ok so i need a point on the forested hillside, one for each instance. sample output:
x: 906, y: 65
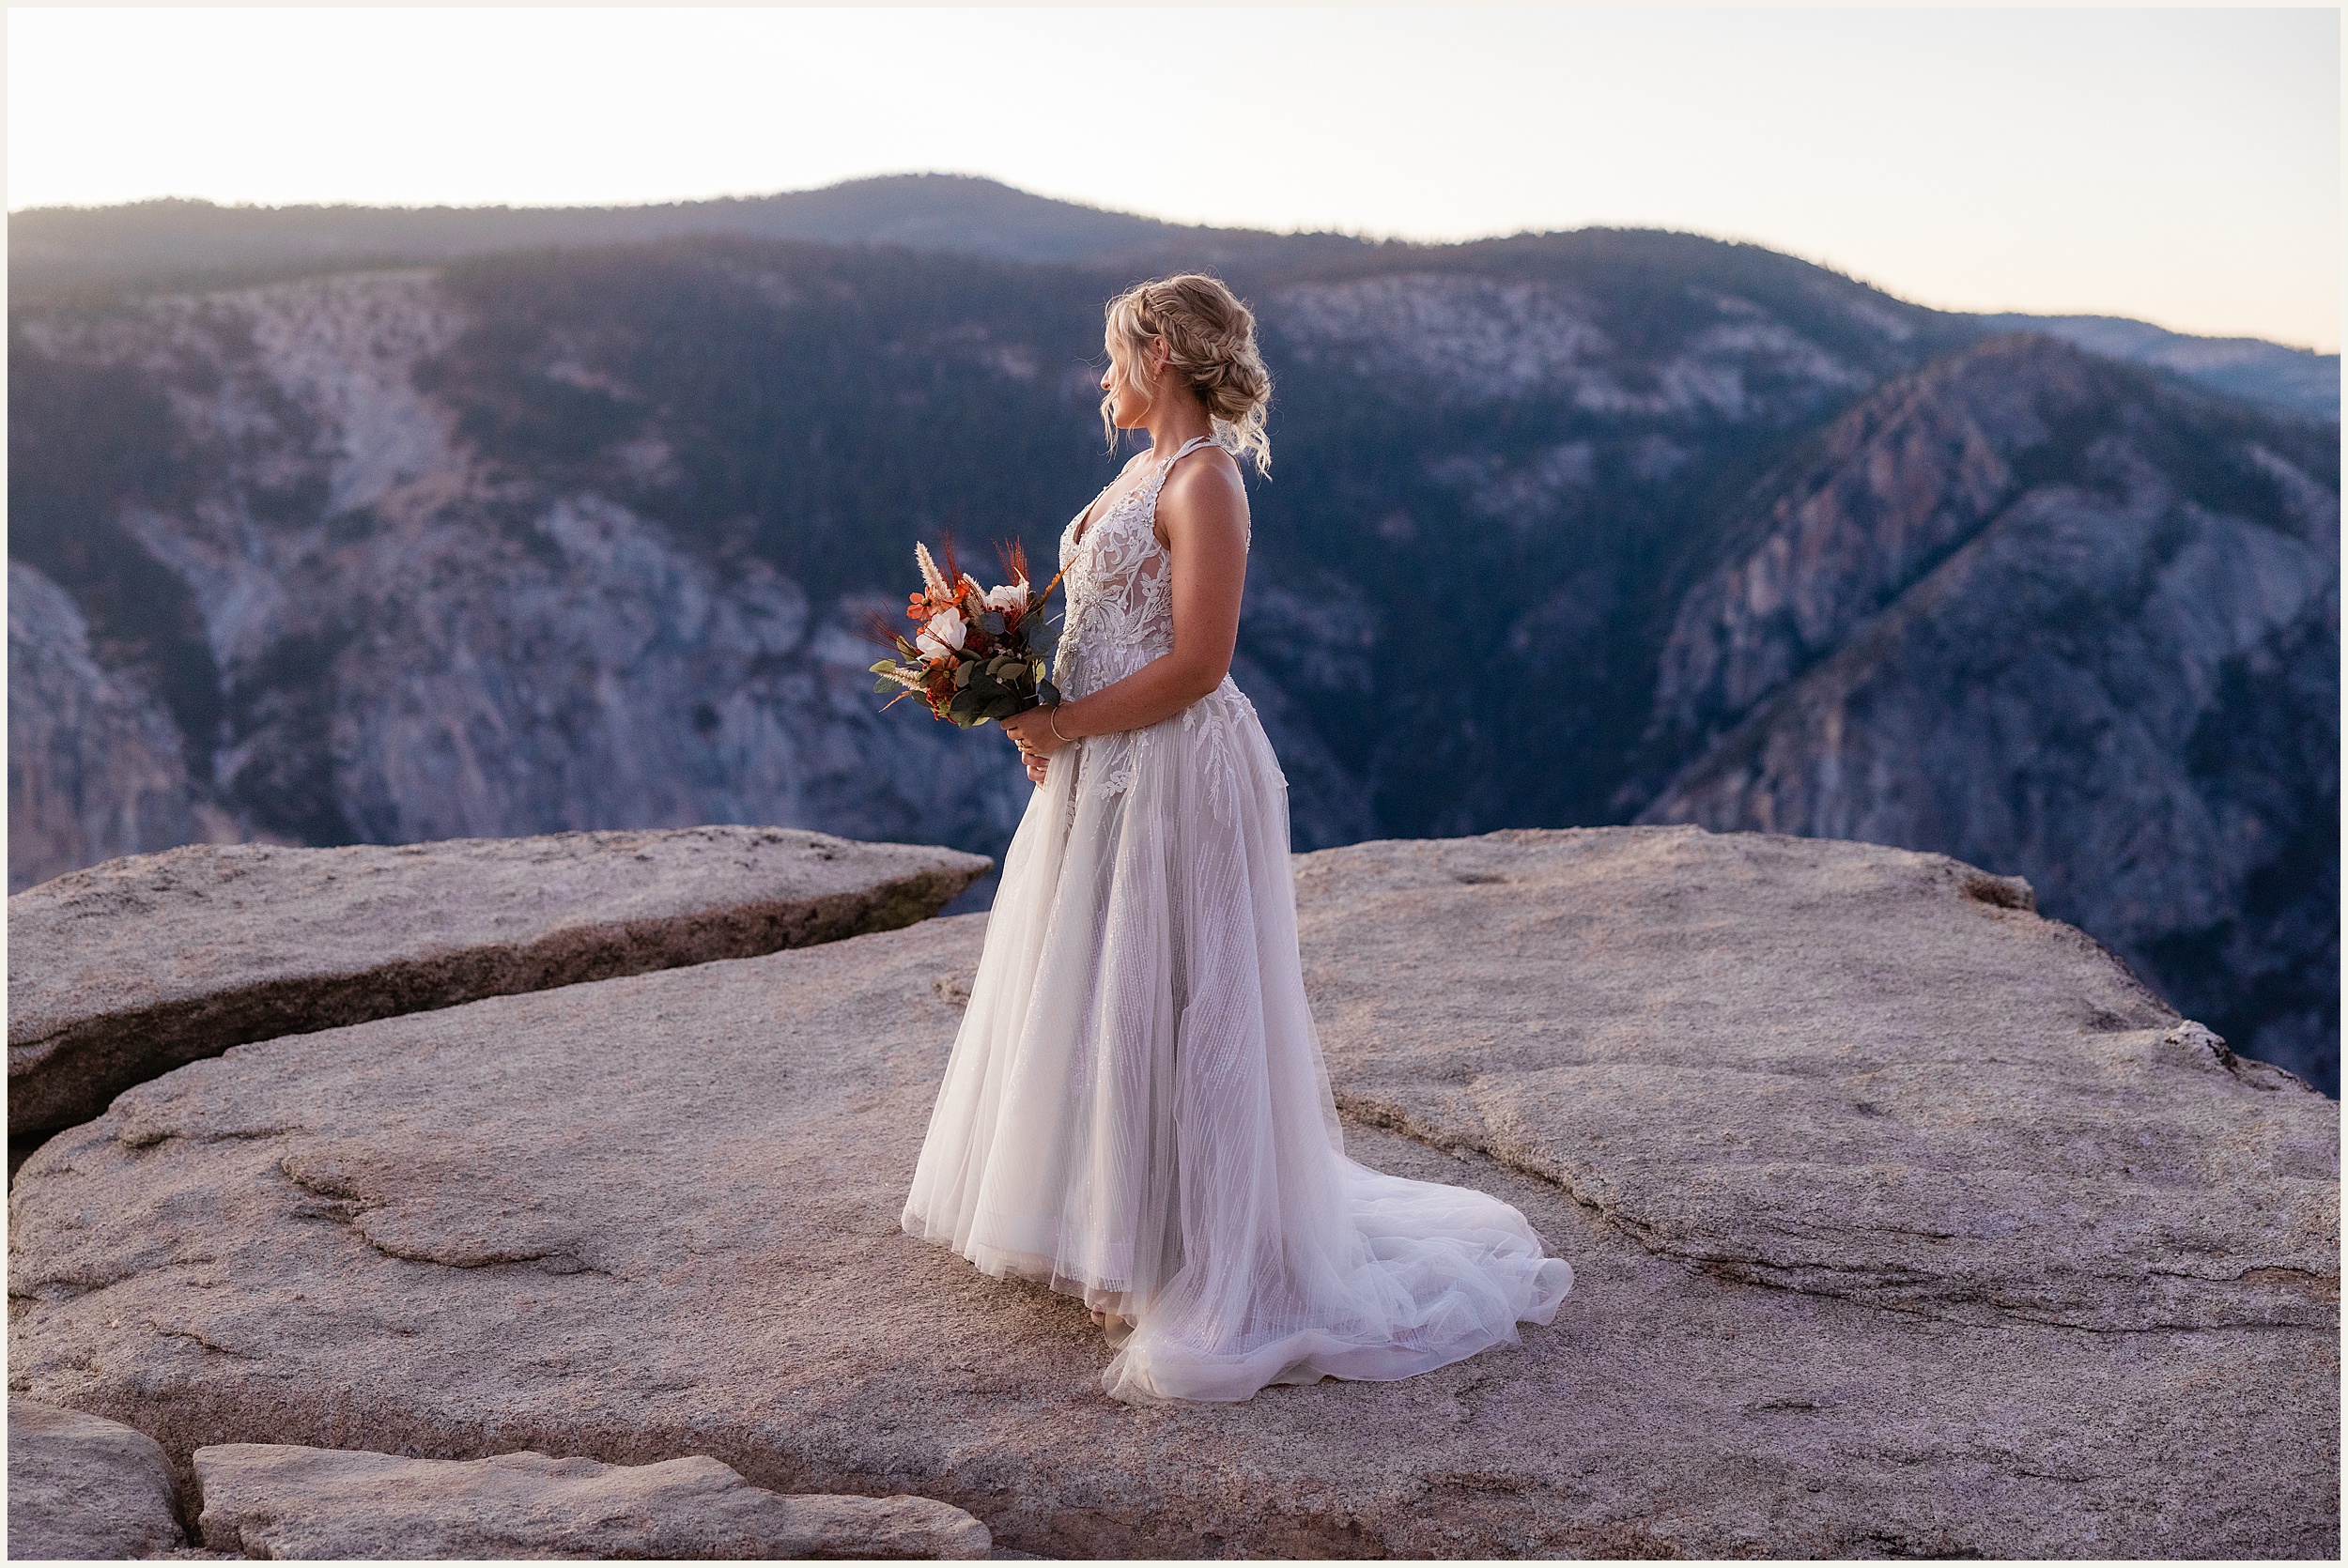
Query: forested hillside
x: 64, y: 254
x: 578, y: 538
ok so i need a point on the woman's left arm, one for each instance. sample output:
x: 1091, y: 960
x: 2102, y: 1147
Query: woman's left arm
x: 1203, y: 510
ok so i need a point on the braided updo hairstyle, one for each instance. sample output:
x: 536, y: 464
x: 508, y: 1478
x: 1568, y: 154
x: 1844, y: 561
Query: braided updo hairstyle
x: 1210, y: 337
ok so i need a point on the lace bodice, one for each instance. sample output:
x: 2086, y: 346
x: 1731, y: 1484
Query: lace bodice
x: 1121, y: 584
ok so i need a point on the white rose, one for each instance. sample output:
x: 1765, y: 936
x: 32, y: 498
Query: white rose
x: 943, y: 635
x: 1011, y: 596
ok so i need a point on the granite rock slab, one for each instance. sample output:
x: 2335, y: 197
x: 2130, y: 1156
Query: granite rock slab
x: 660, y: 1219
x: 128, y: 968
x: 1827, y: 1066
x: 278, y: 1501
x: 82, y: 1488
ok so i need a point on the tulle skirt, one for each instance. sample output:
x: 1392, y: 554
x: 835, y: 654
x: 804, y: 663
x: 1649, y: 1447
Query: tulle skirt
x: 1136, y: 1112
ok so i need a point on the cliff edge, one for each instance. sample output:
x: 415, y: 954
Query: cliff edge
x: 1905, y: 1222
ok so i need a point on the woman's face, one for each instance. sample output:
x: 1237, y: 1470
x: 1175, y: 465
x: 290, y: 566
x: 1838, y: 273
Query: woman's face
x: 1131, y: 404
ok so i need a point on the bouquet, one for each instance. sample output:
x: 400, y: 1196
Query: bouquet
x: 975, y: 657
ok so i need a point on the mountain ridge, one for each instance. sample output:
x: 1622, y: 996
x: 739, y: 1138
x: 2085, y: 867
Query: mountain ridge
x: 68, y: 255
x: 170, y: 241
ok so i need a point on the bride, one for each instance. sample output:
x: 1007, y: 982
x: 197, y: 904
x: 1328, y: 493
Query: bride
x: 1136, y: 1110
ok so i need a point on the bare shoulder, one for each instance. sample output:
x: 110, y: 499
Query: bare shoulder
x: 1205, y: 487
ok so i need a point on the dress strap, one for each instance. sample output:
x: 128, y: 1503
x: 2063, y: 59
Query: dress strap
x: 1188, y: 447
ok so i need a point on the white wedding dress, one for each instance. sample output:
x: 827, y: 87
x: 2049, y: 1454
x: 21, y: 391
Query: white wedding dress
x: 1136, y: 1110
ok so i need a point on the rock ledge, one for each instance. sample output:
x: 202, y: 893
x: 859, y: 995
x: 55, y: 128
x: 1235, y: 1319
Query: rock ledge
x: 277, y: 1500
x: 82, y: 1488
x: 129, y: 968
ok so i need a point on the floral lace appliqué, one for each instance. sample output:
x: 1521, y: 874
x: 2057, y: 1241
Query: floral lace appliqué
x: 1120, y: 616
x: 1121, y: 581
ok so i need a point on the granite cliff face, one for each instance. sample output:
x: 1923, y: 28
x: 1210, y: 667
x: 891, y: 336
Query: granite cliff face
x: 538, y: 542
x: 2025, y: 610
x: 96, y: 767
x: 541, y: 544
x: 412, y: 644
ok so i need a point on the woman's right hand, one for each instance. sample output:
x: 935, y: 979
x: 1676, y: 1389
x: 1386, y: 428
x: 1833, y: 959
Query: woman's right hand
x: 1030, y: 731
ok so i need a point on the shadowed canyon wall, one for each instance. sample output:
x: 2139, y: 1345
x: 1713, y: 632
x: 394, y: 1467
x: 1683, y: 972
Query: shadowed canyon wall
x: 1585, y: 528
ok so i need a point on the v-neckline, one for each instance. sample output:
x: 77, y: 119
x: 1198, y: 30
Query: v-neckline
x: 1084, y: 528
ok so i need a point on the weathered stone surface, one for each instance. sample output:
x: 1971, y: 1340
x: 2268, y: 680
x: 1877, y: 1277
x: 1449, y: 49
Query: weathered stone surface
x: 1903, y: 1222
x: 82, y: 1488
x: 128, y: 969
x: 1831, y: 1068
x: 277, y: 1500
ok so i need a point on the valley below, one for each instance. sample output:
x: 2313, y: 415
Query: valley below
x: 1600, y: 528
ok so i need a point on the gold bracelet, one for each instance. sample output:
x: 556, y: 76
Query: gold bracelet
x: 1051, y: 717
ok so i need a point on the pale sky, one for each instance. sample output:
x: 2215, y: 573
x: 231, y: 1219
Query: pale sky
x: 2177, y: 165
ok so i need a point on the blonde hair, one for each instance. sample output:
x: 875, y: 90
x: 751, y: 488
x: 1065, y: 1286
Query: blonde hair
x: 1210, y: 339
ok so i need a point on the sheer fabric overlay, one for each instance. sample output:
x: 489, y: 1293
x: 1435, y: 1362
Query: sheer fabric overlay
x: 1136, y: 1110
